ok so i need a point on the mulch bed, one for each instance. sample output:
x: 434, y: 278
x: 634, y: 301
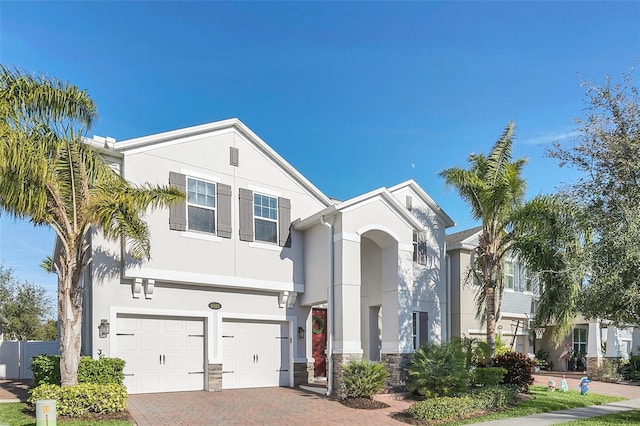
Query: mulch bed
x: 363, y: 403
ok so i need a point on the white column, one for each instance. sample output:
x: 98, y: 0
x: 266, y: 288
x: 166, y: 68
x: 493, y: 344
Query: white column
x: 613, y: 345
x: 594, y: 348
x: 347, y: 297
x: 635, y: 340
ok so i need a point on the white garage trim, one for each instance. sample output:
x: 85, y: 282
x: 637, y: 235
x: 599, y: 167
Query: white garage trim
x: 292, y: 322
x: 207, y: 316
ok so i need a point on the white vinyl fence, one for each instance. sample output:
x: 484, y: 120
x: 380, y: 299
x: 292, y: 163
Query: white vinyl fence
x: 15, y: 357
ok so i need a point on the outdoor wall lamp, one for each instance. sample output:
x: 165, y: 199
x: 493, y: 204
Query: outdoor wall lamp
x: 103, y: 328
x: 301, y: 332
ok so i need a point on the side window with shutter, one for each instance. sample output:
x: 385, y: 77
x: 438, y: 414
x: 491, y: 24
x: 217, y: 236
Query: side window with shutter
x: 207, y: 207
x: 264, y: 218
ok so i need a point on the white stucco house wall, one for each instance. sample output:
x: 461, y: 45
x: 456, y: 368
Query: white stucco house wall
x: 226, y: 299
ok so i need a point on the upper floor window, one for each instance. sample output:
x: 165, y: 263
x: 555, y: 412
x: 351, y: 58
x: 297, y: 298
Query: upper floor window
x: 206, y: 209
x: 265, y: 213
x: 509, y: 274
x: 201, y: 206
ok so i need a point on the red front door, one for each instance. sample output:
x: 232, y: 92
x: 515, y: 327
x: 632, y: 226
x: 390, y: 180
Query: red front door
x: 319, y: 341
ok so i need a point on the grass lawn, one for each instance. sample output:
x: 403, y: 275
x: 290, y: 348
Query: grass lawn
x: 627, y: 418
x: 13, y: 413
x: 542, y: 401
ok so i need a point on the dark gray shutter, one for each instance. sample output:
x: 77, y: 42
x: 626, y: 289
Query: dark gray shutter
x: 424, y: 328
x: 409, y: 202
x: 178, y: 211
x: 223, y: 209
x: 246, y: 214
x: 284, y: 221
x: 422, y: 248
x: 234, y: 155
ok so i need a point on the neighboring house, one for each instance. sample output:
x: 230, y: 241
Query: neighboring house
x: 257, y: 262
x: 518, y: 300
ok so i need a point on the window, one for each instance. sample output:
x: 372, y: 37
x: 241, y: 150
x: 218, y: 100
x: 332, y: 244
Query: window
x: 526, y: 285
x: 201, y: 205
x: 580, y: 340
x: 415, y: 246
x: 420, y: 329
x: 265, y: 213
x: 508, y: 274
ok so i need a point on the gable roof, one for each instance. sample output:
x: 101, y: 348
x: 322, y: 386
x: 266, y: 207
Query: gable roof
x: 417, y: 189
x: 462, y: 239
x: 172, y: 137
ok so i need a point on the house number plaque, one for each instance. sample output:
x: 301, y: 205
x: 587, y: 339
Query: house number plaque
x: 215, y: 305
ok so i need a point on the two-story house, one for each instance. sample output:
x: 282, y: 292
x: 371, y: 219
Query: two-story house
x: 239, y: 268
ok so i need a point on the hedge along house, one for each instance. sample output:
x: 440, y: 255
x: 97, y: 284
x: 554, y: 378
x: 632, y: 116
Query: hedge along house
x: 237, y: 269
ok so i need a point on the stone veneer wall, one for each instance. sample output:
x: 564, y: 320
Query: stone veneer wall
x: 395, y: 364
x: 339, y: 361
x: 593, y: 365
x: 302, y: 373
x: 215, y: 377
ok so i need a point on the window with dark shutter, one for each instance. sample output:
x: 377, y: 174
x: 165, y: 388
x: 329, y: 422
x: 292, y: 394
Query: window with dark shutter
x: 178, y: 211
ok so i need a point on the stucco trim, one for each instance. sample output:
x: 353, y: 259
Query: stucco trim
x: 182, y: 277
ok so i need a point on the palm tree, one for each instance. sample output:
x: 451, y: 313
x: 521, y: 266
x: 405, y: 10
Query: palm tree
x: 494, y: 188
x: 49, y: 176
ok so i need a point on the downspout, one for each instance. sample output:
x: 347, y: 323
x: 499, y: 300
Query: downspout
x: 330, y: 309
x: 448, y: 301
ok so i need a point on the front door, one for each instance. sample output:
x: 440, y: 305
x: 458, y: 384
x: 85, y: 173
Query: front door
x: 319, y: 341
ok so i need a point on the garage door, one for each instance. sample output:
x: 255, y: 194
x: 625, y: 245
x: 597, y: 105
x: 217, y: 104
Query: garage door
x: 255, y: 354
x: 162, y: 354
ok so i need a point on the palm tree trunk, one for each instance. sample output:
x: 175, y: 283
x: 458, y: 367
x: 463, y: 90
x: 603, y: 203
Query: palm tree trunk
x: 70, y: 324
x: 490, y: 303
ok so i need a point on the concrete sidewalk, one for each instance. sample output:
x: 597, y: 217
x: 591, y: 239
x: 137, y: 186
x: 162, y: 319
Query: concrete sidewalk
x: 555, y: 417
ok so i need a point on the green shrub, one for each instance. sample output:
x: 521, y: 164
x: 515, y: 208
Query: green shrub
x: 442, y: 408
x: 450, y: 408
x: 100, y: 371
x: 83, y: 398
x: 519, y: 369
x: 490, y: 397
x: 489, y: 376
x: 46, y: 370
x: 364, y: 379
x: 437, y: 370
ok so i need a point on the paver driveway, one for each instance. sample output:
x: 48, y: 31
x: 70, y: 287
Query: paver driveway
x: 260, y: 406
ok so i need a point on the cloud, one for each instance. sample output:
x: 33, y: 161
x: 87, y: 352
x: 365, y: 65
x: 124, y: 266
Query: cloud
x: 549, y: 138
x: 413, y: 166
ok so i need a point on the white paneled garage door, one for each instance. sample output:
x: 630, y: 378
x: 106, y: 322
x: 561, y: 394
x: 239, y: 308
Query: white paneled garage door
x: 255, y: 354
x: 162, y: 354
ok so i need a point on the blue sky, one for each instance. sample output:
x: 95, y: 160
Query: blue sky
x: 355, y: 95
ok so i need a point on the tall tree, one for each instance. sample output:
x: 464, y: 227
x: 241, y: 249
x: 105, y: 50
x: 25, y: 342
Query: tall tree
x: 48, y: 175
x: 550, y: 237
x: 25, y: 305
x: 494, y: 188
x: 607, y: 152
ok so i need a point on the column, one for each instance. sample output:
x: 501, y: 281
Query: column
x: 613, y: 345
x: 594, y: 348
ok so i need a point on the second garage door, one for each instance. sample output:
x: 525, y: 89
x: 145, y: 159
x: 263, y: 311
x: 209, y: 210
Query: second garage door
x: 255, y: 354
x: 162, y: 354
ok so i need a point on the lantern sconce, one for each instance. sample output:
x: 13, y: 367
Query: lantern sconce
x: 103, y: 328
x: 301, y: 333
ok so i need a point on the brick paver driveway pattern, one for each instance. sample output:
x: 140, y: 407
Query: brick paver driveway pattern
x: 286, y: 406
x: 261, y: 406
